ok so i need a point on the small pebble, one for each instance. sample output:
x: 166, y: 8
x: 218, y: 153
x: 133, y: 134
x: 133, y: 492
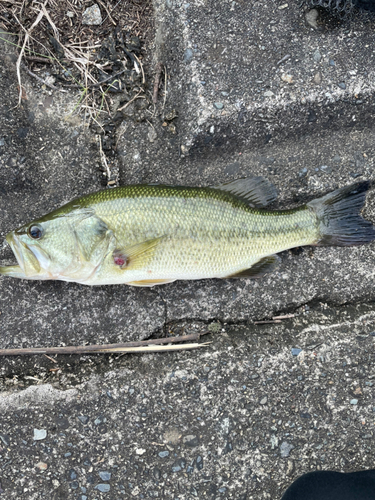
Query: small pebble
x: 2, y: 141
x: 326, y: 169
x: 332, y: 62
x: 317, y: 56
x: 268, y: 93
x: 311, y: 17
x: 354, y: 401
x: 342, y: 85
x: 188, y: 55
x: 283, y: 6
x: 92, y: 15
x: 287, y: 78
x: 263, y: 401
x: 218, y: 105
x: 105, y: 475
x: 39, y: 434
x: 41, y: 465
x: 100, y: 420
x: 285, y: 449
x: 295, y: 351
x: 152, y: 135
x: 163, y: 454
x: 84, y: 419
x: 5, y: 438
x: 104, y: 488
x: 317, y: 78
x: 179, y: 465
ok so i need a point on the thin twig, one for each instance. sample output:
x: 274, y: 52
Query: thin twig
x: 108, y: 12
x: 93, y: 85
x: 104, y: 159
x: 165, y: 86
x: 41, y: 79
x: 285, y: 58
x: 153, y: 345
x: 131, y: 100
x: 143, y: 74
x: 49, y: 357
x: 285, y: 316
x: 111, y: 11
x: 267, y: 321
x: 38, y: 59
x: 18, y: 65
x: 275, y: 319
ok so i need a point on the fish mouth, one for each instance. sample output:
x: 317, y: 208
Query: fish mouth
x: 14, y: 244
x: 28, y: 262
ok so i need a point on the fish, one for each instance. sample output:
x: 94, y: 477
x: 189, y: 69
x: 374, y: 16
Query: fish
x: 152, y: 234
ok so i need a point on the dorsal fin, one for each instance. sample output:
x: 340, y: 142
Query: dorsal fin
x: 257, y: 191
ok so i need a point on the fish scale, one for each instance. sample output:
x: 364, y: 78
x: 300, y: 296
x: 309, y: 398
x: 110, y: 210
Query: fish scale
x: 205, y: 232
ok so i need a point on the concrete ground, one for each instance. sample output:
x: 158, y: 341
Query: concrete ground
x: 263, y: 403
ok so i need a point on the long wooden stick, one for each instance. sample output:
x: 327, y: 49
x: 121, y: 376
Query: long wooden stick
x: 153, y: 345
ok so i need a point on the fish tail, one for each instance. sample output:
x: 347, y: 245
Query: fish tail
x: 339, y: 218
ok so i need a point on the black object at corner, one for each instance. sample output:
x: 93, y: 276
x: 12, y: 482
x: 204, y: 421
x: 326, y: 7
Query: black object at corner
x: 328, y: 485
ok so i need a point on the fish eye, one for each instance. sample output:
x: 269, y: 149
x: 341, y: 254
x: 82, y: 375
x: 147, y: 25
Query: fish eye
x: 35, y: 232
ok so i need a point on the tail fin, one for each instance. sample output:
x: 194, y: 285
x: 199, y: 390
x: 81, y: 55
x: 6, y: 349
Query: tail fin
x: 339, y: 217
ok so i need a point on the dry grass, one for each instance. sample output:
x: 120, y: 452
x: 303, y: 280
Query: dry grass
x: 97, y: 60
x: 104, y: 62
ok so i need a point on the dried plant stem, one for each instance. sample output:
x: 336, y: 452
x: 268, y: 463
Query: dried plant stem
x: 93, y: 85
x: 27, y: 35
x: 165, y: 86
x: 41, y: 79
x: 131, y: 100
x: 154, y: 345
x: 108, y: 12
x: 143, y: 74
x: 104, y: 159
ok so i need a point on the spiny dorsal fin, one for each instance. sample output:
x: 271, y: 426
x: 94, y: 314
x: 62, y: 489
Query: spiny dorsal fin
x: 262, y: 267
x: 136, y: 256
x: 257, y: 191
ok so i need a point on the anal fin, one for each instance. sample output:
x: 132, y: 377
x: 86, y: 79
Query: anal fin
x: 149, y: 282
x: 259, y: 269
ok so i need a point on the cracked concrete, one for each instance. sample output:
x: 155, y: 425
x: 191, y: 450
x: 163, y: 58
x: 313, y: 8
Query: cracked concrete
x: 263, y: 403
x: 238, y: 420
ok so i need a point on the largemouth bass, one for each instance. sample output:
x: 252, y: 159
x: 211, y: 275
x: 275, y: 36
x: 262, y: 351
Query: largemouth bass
x: 145, y: 235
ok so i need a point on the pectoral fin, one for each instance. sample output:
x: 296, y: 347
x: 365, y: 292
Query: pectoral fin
x: 149, y: 282
x: 136, y: 256
x: 262, y: 267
